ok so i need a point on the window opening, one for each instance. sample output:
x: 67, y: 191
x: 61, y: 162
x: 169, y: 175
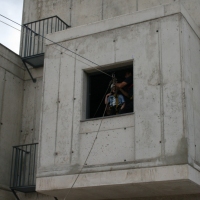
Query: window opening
x: 97, y: 96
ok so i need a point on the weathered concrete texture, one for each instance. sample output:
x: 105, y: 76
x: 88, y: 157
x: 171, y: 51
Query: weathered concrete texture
x: 86, y: 11
x: 82, y: 12
x: 150, y: 137
x: 172, y: 89
x: 6, y: 195
x: 143, y: 4
x: 39, y: 9
x: 192, y: 7
x: 49, y: 8
x: 29, y: 11
x: 58, y: 133
x: 122, y: 21
x: 153, y: 136
x: 31, y: 111
x: 11, y: 62
x: 190, y: 61
x: 113, y: 8
x: 146, y: 182
x: 11, y: 94
x: 10, y: 122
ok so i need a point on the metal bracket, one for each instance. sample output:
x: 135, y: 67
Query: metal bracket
x: 15, y: 194
x: 33, y: 79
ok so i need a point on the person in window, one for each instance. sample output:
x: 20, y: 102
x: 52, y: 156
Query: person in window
x: 114, y: 101
x: 126, y: 88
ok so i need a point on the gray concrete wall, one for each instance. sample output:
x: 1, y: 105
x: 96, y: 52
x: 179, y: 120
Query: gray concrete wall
x: 31, y: 107
x: 11, y: 97
x: 81, y: 12
x: 146, y: 138
x: 191, y: 70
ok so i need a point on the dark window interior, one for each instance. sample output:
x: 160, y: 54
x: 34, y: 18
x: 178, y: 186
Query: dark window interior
x: 97, y: 86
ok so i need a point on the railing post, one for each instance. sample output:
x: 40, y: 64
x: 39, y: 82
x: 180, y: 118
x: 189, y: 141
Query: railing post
x: 23, y: 168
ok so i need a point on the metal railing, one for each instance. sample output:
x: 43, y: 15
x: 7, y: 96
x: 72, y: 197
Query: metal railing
x: 32, y: 42
x: 23, y: 168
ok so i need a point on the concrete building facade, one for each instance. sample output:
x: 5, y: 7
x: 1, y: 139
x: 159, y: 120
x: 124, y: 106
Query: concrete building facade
x: 152, y: 153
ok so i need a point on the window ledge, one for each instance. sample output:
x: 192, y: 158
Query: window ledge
x: 106, y: 117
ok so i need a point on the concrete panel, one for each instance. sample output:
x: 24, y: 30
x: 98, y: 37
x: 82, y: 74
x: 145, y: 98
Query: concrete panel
x: 86, y: 11
x: 6, y: 195
x: 10, y: 123
x: 107, y: 25
x: 197, y: 138
x: 113, y: 8
x: 65, y: 107
x: 2, y: 82
x: 175, y: 142
x: 123, y: 37
x: 107, y: 124
x: 143, y: 4
x: 30, y: 13
x: 11, y: 56
x: 38, y: 101
x: 122, y: 184
x: 112, y: 146
x: 61, y: 8
x: 49, y: 108
x: 31, y: 111
x: 187, y: 73
x: 99, y: 48
x: 146, y: 90
x: 28, y: 117
x: 194, y: 47
x: 192, y: 7
x: 11, y: 67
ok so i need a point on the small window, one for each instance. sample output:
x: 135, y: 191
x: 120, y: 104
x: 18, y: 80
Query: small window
x: 97, y: 85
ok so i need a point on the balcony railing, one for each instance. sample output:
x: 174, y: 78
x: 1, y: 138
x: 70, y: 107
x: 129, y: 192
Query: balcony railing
x: 32, y: 46
x: 23, y: 169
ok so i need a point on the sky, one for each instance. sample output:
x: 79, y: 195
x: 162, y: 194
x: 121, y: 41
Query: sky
x: 10, y: 37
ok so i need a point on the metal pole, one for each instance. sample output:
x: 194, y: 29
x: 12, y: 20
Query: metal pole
x: 33, y: 79
x: 38, y: 38
x: 34, y: 163
x: 11, y: 171
x: 42, y: 35
x: 30, y: 41
x: 13, y: 191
